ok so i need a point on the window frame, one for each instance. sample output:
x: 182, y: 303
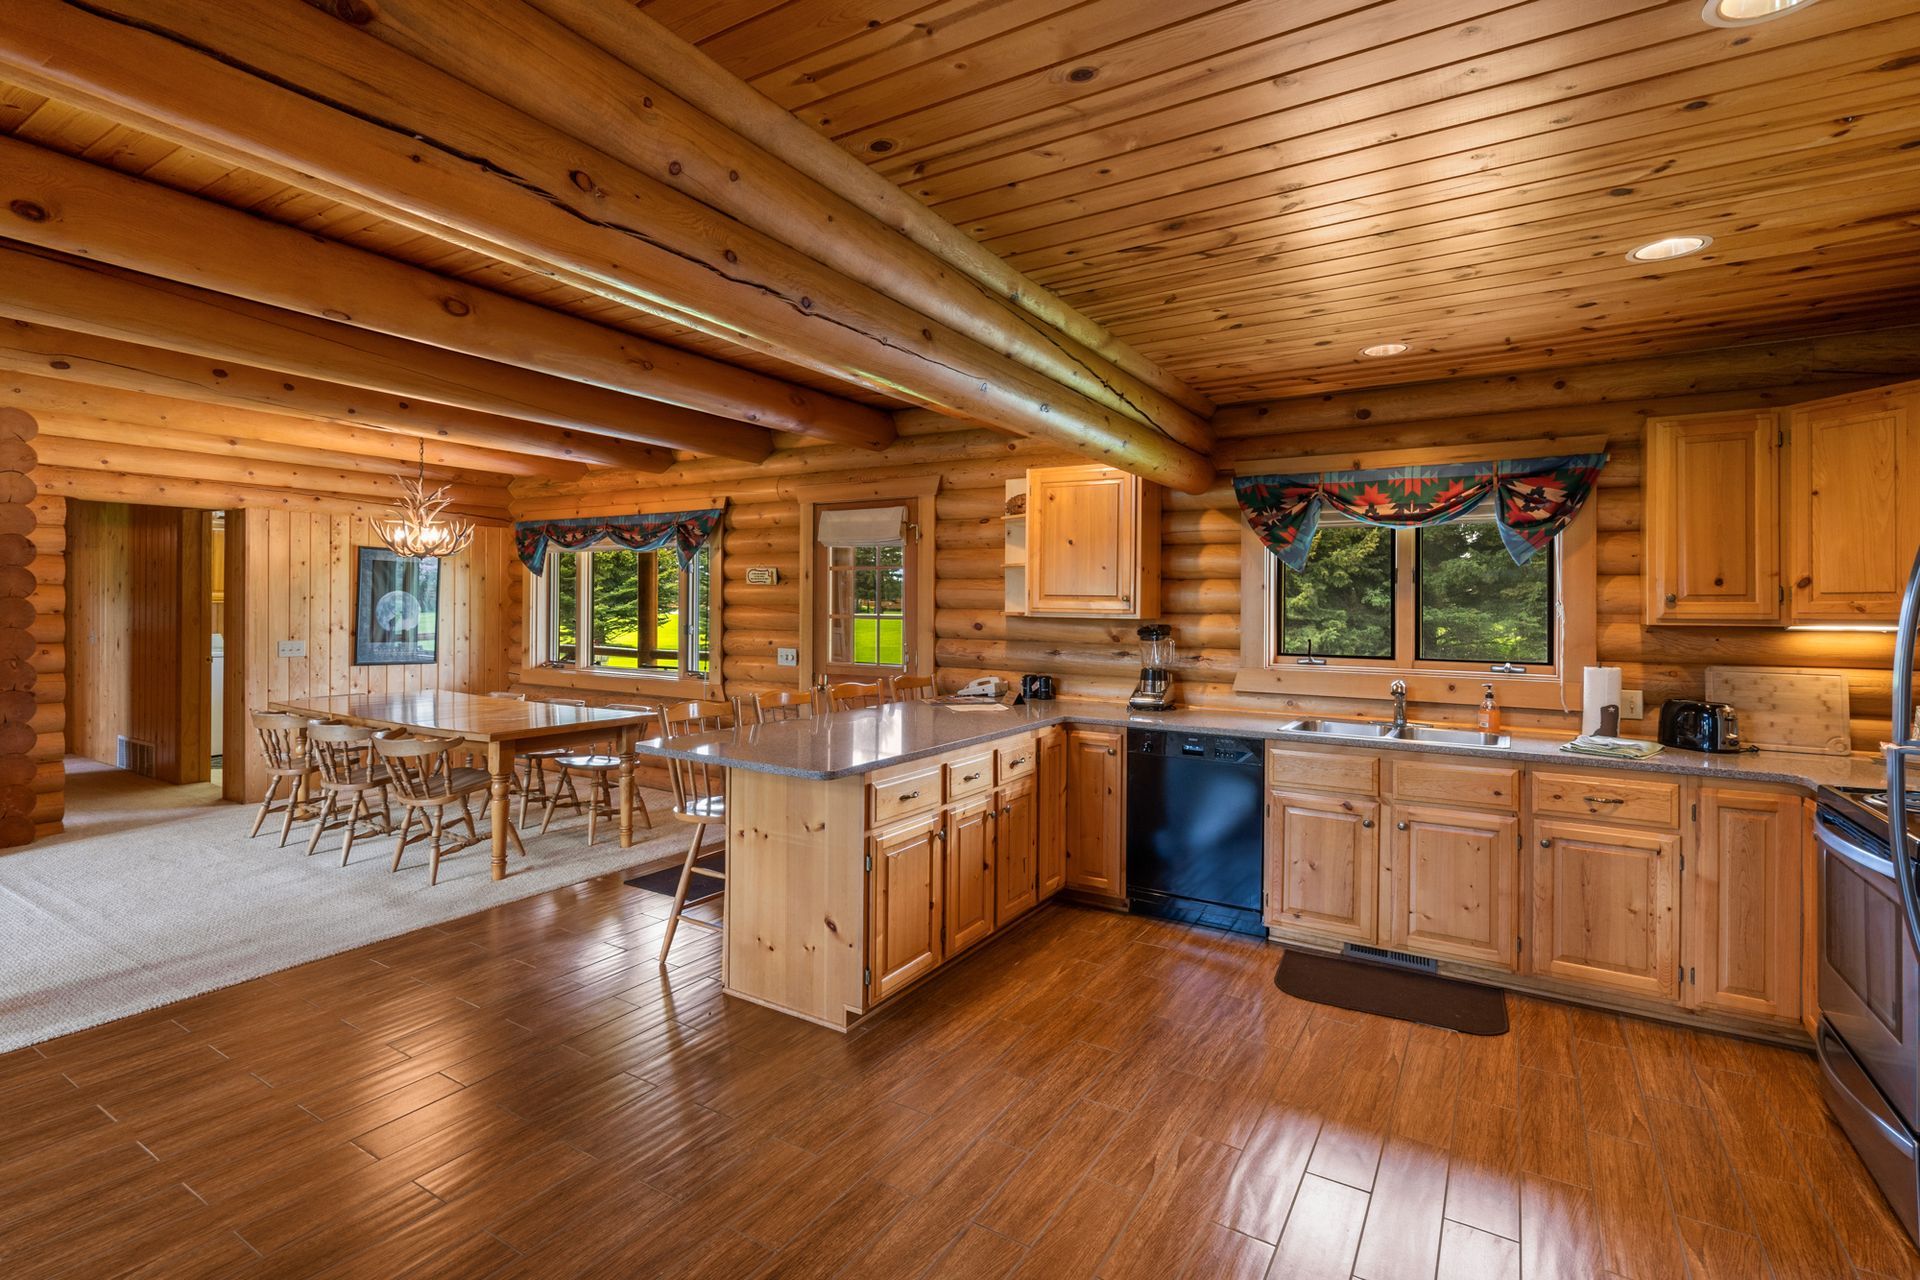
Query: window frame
x: 919, y: 496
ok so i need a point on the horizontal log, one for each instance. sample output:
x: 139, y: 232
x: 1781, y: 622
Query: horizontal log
x: 207, y: 495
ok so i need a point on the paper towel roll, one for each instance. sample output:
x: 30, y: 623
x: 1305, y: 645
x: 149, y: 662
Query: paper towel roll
x: 1601, y: 688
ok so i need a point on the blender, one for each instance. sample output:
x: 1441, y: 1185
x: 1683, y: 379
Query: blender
x: 1155, y: 690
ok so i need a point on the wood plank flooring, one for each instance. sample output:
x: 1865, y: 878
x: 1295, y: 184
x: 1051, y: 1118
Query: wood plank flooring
x: 524, y: 1094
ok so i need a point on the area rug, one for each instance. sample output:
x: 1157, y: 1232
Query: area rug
x: 155, y: 893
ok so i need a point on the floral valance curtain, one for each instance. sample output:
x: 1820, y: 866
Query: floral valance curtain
x: 1536, y: 498
x: 687, y: 531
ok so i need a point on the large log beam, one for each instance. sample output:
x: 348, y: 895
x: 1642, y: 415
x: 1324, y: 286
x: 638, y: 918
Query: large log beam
x: 637, y: 118
x: 110, y: 303
x: 102, y: 362
x: 279, y: 87
x: 58, y: 202
x: 96, y: 485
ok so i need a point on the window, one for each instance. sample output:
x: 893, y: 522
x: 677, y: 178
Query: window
x: 637, y: 611
x: 865, y: 564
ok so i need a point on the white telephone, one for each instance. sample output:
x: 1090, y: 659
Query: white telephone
x: 984, y: 687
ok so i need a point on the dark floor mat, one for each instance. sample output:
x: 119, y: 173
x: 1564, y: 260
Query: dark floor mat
x: 668, y: 881
x: 1382, y: 989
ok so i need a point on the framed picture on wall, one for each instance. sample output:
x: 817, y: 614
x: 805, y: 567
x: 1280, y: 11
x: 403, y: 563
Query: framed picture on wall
x: 396, y: 616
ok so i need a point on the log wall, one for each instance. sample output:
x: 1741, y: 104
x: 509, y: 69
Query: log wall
x: 18, y: 710
x: 49, y: 601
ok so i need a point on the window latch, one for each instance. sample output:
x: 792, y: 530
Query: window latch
x: 1310, y: 660
x: 1507, y: 669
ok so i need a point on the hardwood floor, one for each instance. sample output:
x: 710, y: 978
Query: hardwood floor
x: 523, y: 1094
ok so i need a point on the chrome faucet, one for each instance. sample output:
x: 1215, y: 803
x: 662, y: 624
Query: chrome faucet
x: 1399, y: 691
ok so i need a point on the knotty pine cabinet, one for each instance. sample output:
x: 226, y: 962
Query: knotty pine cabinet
x: 1453, y: 872
x: 1096, y: 812
x: 907, y: 880
x: 1852, y: 517
x: 1050, y: 799
x: 1712, y: 519
x: 969, y: 852
x: 1093, y: 543
x: 1323, y: 859
x: 1743, y: 901
x: 1016, y: 852
x: 1605, y: 906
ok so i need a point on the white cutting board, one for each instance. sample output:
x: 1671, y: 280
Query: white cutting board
x: 1787, y: 709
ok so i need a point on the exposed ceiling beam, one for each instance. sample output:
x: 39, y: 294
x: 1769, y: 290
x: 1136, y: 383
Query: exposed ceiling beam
x: 285, y: 89
x: 59, y: 202
x: 111, y: 303
x: 640, y: 119
x: 516, y: 448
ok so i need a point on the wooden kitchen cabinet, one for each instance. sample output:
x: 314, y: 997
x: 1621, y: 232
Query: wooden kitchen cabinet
x: 1712, y: 518
x: 1742, y: 935
x: 1323, y: 860
x: 1451, y: 875
x: 1096, y: 815
x: 1605, y: 907
x: 1851, y: 523
x: 969, y: 848
x: 1050, y: 800
x: 1016, y: 848
x: 1093, y: 543
x: 907, y: 911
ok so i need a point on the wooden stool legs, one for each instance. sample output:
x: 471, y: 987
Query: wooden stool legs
x: 688, y: 871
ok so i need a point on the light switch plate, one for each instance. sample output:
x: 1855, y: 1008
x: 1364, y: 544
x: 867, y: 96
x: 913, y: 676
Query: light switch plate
x: 293, y: 648
x: 787, y: 657
x: 1632, y: 704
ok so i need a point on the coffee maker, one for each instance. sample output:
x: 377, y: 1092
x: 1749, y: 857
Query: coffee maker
x: 1155, y: 690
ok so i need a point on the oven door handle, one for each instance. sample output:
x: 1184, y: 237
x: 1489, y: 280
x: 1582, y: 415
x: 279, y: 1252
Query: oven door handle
x: 1834, y: 841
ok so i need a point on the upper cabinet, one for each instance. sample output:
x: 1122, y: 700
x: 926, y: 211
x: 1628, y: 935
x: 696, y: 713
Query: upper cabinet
x: 1851, y: 524
x: 1714, y: 560
x: 1093, y: 543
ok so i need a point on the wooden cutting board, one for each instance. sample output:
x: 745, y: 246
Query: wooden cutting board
x: 1787, y: 709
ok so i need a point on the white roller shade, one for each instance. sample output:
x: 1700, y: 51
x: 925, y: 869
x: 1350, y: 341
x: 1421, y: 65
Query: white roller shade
x: 863, y: 526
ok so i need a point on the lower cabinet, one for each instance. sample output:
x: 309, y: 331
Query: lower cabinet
x: 1605, y: 907
x: 969, y: 852
x: 1096, y: 814
x: 1323, y: 858
x: 1016, y: 848
x: 1743, y: 934
x: 1451, y: 876
x: 907, y: 883
x: 1050, y: 797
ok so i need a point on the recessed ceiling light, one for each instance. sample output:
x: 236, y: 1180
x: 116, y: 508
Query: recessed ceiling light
x: 1669, y: 247
x: 1384, y: 349
x: 1744, y: 13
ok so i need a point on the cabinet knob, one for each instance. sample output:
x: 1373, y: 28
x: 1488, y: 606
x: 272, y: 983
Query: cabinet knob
x: 1367, y: 822
x: 1672, y: 598
x: 1399, y: 826
x: 1112, y: 752
x: 1546, y: 843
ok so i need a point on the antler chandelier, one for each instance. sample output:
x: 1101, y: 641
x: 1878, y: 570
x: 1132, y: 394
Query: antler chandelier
x: 416, y: 529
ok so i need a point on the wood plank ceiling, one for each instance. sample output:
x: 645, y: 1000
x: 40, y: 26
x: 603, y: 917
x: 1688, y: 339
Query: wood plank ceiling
x: 1251, y: 192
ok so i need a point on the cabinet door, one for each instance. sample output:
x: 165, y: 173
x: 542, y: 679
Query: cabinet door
x: 1051, y: 794
x: 1323, y: 863
x: 1742, y: 935
x: 1451, y: 874
x: 1095, y: 817
x: 1850, y: 533
x: 969, y: 841
x: 907, y: 895
x: 1015, y: 853
x: 1713, y: 518
x: 1087, y: 530
x: 1603, y: 907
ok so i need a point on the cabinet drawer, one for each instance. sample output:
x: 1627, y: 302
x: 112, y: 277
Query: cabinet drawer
x: 1491, y: 786
x: 1017, y: 760
x: 1320, y: 770
x: 1609, y: 796
x: 903, y: 793
x: 970, y: 774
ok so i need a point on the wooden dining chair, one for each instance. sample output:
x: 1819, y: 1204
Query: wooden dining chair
x: 699, y: 799
x: 427, y: 784
x: 910, y: 689
x: 601, y: 770
x: 350, y: 776
x: 289, y: 760
x: 852, y: 695
x: 533, y: 787
x: 774, y: 705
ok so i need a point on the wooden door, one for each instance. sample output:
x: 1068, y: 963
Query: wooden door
x: 1087, y: 530
x: 1096, y: 819
x: 1051, y: 817
x: 1742, y: 933
x: 1713, y: 518
x: 1451, y: 874
x: 906, y: 879
x: 1604, y: 901
x: 1850, y: 531
x: 1323, y: 864
x: 969, y: 849
x: 1016, y: 852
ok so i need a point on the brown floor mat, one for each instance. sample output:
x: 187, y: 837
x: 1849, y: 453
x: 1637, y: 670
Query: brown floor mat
x: 1393, y: 993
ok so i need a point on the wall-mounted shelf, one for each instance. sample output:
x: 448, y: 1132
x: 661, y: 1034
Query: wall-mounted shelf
x: 1014, y: 557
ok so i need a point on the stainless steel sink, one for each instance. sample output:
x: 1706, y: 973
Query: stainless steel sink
x: 1340, y: 728
x: 1367, y: 729
x: 1451, y: 737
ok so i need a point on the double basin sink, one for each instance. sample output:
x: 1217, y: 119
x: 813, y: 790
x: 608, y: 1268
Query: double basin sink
x: 1371, y: 730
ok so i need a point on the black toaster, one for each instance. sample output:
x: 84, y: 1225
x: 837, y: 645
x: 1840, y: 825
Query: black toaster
x: 1693, y: 725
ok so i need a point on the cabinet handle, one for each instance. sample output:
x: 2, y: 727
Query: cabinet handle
x: 1672, y: 598
x: 941, y: 836
x: 1112, y: 752
x: 1399, y: 826
x: 1017, y: 760
x: 968, y: 777
x: 1603, y: 799
x: 1006, y: 808
x: 1546, y: 843
x: 1367, y: 822
x: 909, y: 795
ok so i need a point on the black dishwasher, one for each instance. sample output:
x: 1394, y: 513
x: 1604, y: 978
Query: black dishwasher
x: 1194, y: 828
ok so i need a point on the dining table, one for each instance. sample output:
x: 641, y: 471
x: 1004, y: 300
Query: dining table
x: 498, y: 728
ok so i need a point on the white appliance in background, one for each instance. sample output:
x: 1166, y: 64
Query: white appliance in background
x: 219, y: 678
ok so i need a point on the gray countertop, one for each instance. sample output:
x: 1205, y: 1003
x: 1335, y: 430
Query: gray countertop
x: 855, y: 742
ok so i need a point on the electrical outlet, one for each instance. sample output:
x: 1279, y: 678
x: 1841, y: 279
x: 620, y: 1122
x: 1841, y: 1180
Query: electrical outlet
x: 1632, y: 704
x: 787, y: 657
x: 293, y: 648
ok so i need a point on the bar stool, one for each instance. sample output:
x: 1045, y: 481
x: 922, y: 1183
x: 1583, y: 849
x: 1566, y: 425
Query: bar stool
x: 534, y: 786
x: 773, y: 706
x: 911, y: 689
x: 699, y: 799
x: 349, y: 772
x: 289, y: 756
x: 853, y: 695
x: 425, y: 781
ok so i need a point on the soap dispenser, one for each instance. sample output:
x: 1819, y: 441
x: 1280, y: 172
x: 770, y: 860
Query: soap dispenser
x: 1489, y: 712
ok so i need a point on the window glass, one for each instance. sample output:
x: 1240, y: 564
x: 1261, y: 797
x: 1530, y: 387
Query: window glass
x: 866, y: 594
x: 633, y: 606
x: 565, y: 569
x: 1341, y: 604
x: 1475, y: 604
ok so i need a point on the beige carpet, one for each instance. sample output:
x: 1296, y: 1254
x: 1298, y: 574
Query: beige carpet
x: 154, y: 893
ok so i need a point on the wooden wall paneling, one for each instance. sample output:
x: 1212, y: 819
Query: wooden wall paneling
x: 20, y: 724
x: 99, y: 616
x: 51, y: 684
